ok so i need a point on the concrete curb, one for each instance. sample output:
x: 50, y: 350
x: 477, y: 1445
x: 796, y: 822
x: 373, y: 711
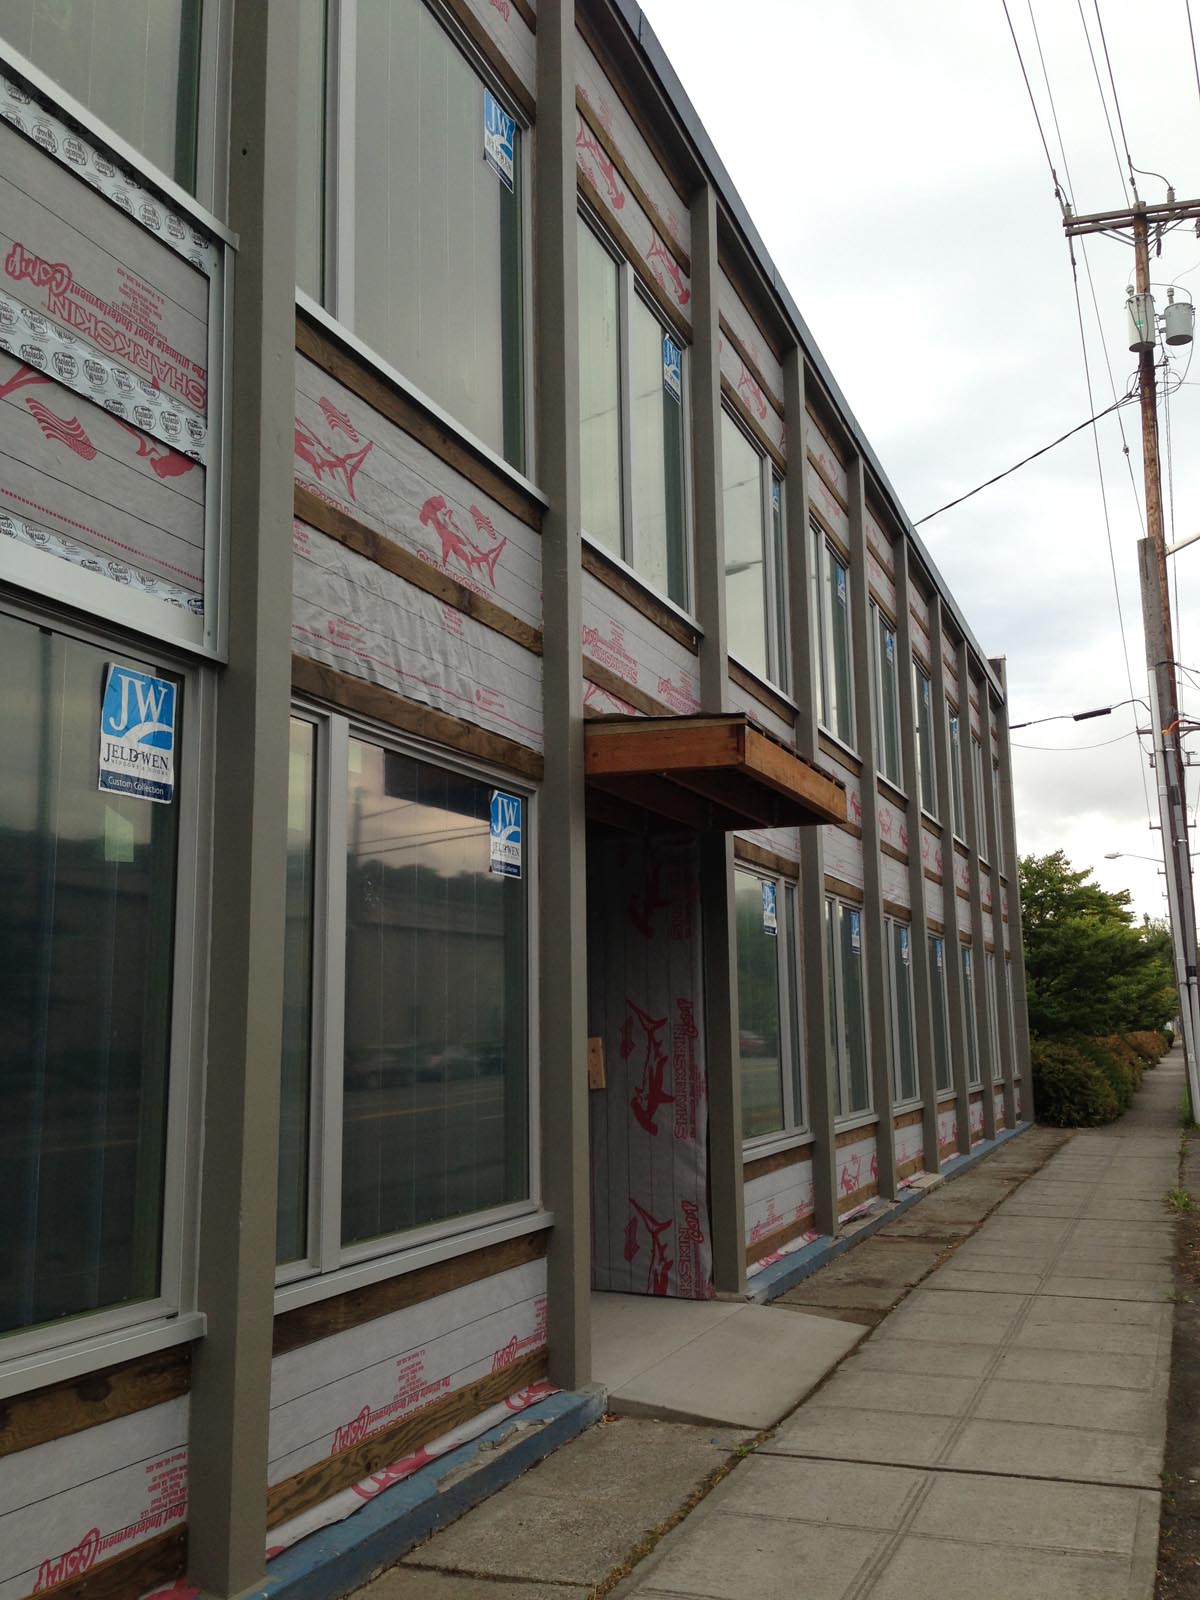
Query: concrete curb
x: 340, y: 1558
x: 783, y: 1275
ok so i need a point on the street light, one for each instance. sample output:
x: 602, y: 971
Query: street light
x: 1129, y: 855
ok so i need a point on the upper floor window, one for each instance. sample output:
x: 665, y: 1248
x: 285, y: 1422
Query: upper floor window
x: 981, y: 838
x: 901, y: 1039
x: 923, y: 701
x: 943, y: 1075
x: 997, y: 818
x: 886, y: 683
x: 847, y: 1008
x: 831, y: 611
x: 768, y: 1015
x: 134, y: 64
x: 631, y: 420
x: 958, y: 813
x: 755, y: 572
x: 425, y: 261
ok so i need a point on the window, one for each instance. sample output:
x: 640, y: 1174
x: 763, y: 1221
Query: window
x: 631, y: 423
x: 885, y: 679
x: 993, y: 1010
x: 943, y: 1075
x: 755, y: 606
x: 997, y: 818
x: 135, y: 65
x: 427, y: 247
x: 958, y: 812
x: 974, y: 1077
x: 423, y: 1070
x: 981, y: 838
x: 902, y: 1044
x: 88, y: 883
x: 768, y: 1014
x: 923, y: 701
x: 311, y: 25
x: 831, y: 608
x: 847, y: 1014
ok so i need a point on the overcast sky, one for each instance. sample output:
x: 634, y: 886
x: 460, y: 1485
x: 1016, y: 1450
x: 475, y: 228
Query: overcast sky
x: 891, y: 162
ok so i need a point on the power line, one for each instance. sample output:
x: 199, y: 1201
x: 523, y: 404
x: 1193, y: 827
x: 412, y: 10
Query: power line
x: 1116, y: 100
x: 1192, y: 36
x: 1070, y: 749
x: 1103, y: 101
x: 1123, y: 401
x: 1058, y: 194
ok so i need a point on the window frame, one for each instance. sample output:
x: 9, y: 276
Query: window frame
x: 329, y: 1266
x: 993, y: 1008
x: 824, y: 551
x: 958, y: 799
x: 793, y: 1065
x: 629, y: 285
x: 40, y: 1355
x: 337, y: 245
x: 981, y: 838
x: 838, y: 1047
x: 773, y: 525
x: 970, y: 1003
x: 900, y: 1101
x: 938, y: 984
x: 881, y: 624
x: 926, y: 759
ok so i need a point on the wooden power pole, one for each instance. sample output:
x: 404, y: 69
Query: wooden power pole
x: 1156, y: 620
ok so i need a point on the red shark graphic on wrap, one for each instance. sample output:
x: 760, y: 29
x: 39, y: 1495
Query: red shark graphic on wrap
x: 855, y: 804
x: 585, y: 139
x: 874, y: 1164
x: 849, y: 1175
x: 324, y: 459
x: 338, y: 421
x: 20, y: 378
x: 643, y: 906
x: 164, y: 462
x: 502, y: 7
x: 659, y: 1266
x: 751, y: 393
x: 61, y: 430
x: 649, y: 1094
x: 664, y: 265
x: 471, y: 557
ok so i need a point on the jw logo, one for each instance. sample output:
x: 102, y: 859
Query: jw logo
x: 137, y: 735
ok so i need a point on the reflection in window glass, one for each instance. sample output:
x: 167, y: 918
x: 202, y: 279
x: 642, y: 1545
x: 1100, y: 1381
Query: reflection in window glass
x: 87, y: 886
x: 904, y: 1052
x: 599, y: 392
x: 291, y: 1241
x: 310, y: 149
x: 942, y: 1075
x: 973, y: 1074
x: 958, y: 811
x: 993, y: 1010
x: 436, y: 1045
x: 852, y: 1036
x: 759, y: 1030
x: 923, y: 699
x: 657, y: 449
x: 135, y: 64
x: 437, y: 236
x: 745, y: 548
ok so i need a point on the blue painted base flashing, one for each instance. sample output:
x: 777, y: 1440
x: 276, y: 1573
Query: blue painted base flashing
x: 336, y: 1560
x: 783, y: 1275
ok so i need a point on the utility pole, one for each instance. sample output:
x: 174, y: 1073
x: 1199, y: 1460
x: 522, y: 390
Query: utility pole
x: 1156, y: 620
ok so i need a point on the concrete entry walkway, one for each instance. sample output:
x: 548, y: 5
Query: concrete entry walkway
x: 1000, y: 1434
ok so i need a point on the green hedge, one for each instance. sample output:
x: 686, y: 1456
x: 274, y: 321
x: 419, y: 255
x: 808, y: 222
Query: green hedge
x: 1082, y: 1083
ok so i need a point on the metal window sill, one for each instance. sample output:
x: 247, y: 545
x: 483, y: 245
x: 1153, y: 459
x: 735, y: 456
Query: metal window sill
x: 90, y: 1354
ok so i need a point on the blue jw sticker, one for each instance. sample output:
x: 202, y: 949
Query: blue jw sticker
x: 499, y: 139
x: 770, y: 919
x: 672, y: 367
x: 137, y: 735
x: 505, y: 833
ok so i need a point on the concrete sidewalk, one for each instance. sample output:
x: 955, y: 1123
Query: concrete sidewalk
x: 1001, y: 1433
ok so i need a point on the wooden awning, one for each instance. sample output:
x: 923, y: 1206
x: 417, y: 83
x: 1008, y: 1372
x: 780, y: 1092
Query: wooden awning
x: 708, y: 772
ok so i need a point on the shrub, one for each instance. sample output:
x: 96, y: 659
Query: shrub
x: 1150, y: 1045
x: 1118, y: 1063
x: 1070, y: 1089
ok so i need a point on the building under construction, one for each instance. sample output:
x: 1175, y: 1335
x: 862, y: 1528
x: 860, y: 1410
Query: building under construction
x: 499, y: 807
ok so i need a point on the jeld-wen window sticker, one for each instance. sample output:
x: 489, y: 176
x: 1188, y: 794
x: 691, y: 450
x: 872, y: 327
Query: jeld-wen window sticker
x: 137, y: 735
x: 672, y: 367
x: 505, y: 834
x: 769, y: 916
x: 499, y: 139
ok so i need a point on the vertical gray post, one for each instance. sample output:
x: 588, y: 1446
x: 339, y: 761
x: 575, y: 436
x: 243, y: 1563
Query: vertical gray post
x: 1008, y: 823
x: 953, y: 973
x: 726, y: 1188
x: 231, y: 1370
x: 977, y: 846
x: 564, y: 1107
x: 995, y: 856
x: 919, y: 929
x: 813, y: 975
x: 878, y: 1010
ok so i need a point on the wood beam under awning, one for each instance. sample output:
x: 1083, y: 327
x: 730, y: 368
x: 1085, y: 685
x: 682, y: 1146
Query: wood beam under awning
x: 720, y: 772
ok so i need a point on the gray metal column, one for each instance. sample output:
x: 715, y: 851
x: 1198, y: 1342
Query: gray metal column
x: 919, y: 928
x: 953, y: 973
x: 973, y: 803
x: 995, y: 855
x: 878, y: 1009
x: 1008, y: 823
x: 562, y: 828
x: 726, y: 1188
x: 819, y: 1067
x: 231, y: 1368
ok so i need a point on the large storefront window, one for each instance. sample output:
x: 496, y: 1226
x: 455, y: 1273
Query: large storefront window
x: 768, y: 1016
x: 135, y: 64
x: 847, y: 1008
x: 974, y: 1077
x: 943, y: 1075
x: 87, y: 915
x: 292, y: 1222
x: 900, y: 993
x: 428, y: 272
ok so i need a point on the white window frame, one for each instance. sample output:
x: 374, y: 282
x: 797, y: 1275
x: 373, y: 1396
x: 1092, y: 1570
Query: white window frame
x: 774, y: 544
x: 839, y: 1051
x: 981, y: 838
x: 629, y: 285
x: 331, y: 1267
x: 970, y: 1016
x: 997, y: 819
x: 895, y: 977
x: 33, y: 1357
x: 793, y: 1061
x: 958, y: 799
x: 824, y: 668
x: 881, y: 624
x: 993, y: 1007
x: 58, y: 580
x: 942, y: 1091
x: 924, y: 716
x: 336, y: 308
